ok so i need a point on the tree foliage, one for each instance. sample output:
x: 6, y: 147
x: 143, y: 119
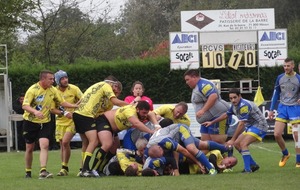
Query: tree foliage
x: 65, y: 34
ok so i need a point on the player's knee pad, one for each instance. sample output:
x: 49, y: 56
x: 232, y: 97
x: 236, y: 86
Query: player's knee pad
x: 296, y: 136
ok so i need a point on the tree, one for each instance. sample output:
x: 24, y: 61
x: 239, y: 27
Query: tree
x: 64, y: 35
x: 148, y: 22
x: 14, y: 14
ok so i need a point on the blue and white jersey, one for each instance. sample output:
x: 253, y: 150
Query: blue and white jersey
x: 169, y: 132
x: 200, y: 94
x: 159, y: 164
x: 287, y: 88
x: 248, y: 112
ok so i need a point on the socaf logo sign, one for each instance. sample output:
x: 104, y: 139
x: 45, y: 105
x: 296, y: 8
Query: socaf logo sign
x: 273, y: 36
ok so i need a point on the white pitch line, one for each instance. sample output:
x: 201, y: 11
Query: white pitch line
x: 269, y: 150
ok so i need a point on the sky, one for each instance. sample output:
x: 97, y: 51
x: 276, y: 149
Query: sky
x: 99, y: 5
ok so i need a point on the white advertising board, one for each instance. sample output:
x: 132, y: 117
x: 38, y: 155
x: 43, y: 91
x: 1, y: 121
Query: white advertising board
x: 227, y: 20
x: 184, y: 59
x: 272, y: 57
x: 183, y: 41
x: 272, y: 38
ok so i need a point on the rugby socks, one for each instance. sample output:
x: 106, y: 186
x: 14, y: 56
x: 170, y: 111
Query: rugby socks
x: 99, y: 157
x: 86, y: 161
x: 246, y: 157
x: 298, y: 158
x: 216, y: 146
x: 203, y: 160
x: 252, y: 162
x: 108, y: 156
x: 285, y: 152
x: 28, y: 171
x: 43, y: 168
x: 65, y: 166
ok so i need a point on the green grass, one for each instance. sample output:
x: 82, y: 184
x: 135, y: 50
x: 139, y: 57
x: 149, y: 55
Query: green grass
x: 267, y: 155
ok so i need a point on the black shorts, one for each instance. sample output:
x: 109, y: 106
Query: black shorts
x: 103, y: 124
x: 83, y: 123
x: 34, y: 131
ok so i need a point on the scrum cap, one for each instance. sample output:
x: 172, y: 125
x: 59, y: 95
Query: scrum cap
x: 58, y: 75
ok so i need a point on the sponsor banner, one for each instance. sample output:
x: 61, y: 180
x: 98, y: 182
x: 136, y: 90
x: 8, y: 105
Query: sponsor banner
x: 183, y: 41
x: 272, y: 57
x: 228, y: 20
x: 184, y: 59
x: 272, y: 38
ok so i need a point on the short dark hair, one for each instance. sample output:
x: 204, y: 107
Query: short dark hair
x: 143, y: 105
x: 192, y: 72
x: 130, y: 171
x: 165, y: 122
x: 148, y: 172
x: 289, y: 60
x: 44, y: 73
x: 112, y: 78
x: 183, y: 105
x: 234, y: 91
x: 135, y: 83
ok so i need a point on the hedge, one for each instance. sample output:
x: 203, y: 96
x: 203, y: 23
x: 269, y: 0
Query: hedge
x: 162, y: 84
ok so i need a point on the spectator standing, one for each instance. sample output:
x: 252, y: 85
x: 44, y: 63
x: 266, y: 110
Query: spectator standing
x: 17, y: 107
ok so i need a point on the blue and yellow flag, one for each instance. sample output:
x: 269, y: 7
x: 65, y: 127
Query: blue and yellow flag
x: 258, y: 99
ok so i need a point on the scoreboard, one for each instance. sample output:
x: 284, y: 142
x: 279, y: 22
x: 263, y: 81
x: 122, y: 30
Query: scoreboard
x: 227, y: 38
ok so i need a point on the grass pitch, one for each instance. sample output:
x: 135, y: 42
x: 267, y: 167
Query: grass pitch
x: 266, y: 154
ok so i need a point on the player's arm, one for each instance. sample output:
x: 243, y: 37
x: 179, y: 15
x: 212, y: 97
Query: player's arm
x: 61, y: 113
x: 275, y: 97
x: 139, y: 125
x: 240, y: 128
x: 218, y: 119
x: 211, y: 100
x: 172, y: 162
x: 152, y: 117
x: 118, y: 102
x: 37, y: 113
x: 187, y: 154
x: 68, y: 105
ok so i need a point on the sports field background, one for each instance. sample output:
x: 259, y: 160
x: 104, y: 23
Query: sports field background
x: 267, y: 155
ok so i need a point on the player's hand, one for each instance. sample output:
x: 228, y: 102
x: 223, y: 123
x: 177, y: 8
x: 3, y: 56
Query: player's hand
x: 68, y: 115
x: 229, y: 143
x: 199, y: 113
x: 38, y: 114
x: 157, y: 127
x: 207, y: 123
x: 271, y: 115
x: 138, y: 98
x: 202, y: 169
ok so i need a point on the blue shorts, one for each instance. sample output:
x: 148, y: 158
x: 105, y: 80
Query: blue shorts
x: 288, y: 114
x: 186, y: 136
x: 219, y: 128
x: 255, y: 132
